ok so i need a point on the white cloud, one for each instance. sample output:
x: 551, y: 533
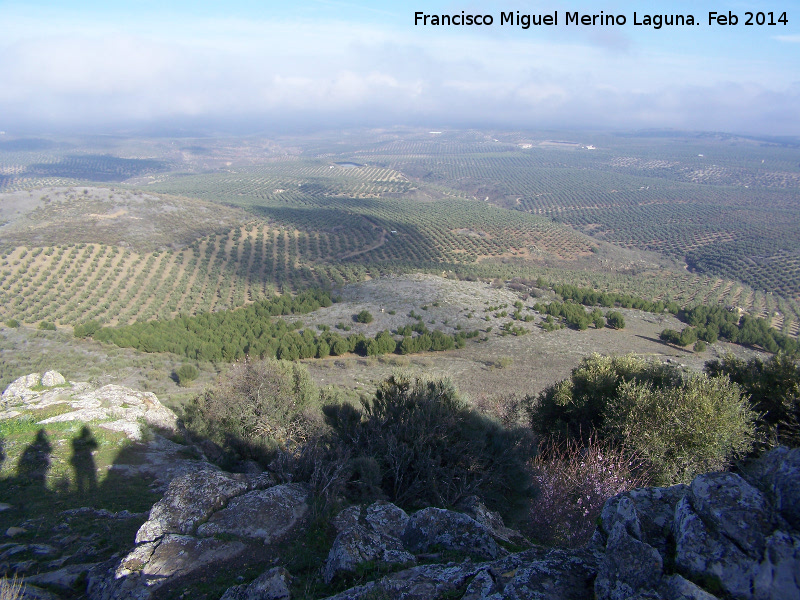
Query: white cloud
x: 78, y: 72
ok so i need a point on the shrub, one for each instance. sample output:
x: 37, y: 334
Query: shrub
x: 256, y: 408
x: 47, y: 325
x: 87, y: 329
x: 430, y: 447
x: 573, y: 482
x: 186, y: 374
x: 615, y: 320
x: 575, y: 407
x: 682, y: 425
x: 774, y: 389
x: 364, y: 317
x: 12, y: 323
x: 683, y: 431
x: 504, y: 362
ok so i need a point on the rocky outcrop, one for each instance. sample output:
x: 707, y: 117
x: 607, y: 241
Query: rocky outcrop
x: 114, y: 407
x: 724, y: 536
x: 205, y: 519
x: 265, y: 515
x: 383, y: 533
x: 721, y: 535
x: 449, y: 530
x: 140, y: 416
x: 272, y: 585
x: 538, y: 573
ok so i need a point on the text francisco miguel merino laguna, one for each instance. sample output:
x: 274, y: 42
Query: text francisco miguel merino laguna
x: 575, y: 18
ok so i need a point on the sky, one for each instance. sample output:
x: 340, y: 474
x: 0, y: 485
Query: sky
x: 261, y: 66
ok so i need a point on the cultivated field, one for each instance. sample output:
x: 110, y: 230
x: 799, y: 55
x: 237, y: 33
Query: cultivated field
x: 208, y: 224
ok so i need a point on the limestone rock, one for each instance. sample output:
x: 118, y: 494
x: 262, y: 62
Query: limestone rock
x: 272, y: 585
x: 14, y: 531
x: 676, y: 587
x: 189, y: 501
x: 734, y: 508
x: 655, y: 513
x: 482, y: 586
x: 551, y: 574
x: 52, y: 379
x: 267, y: 514
x: 150, y: 566
x: 178, y: 555
x: 449, y: 530
x: 386, y: 518
x: 32, y: 592
x: 20, y: 389
x: 702, y: 553
x: 356, y: 545
x: 63, y: 578
x: 349, y: 517
x: 777, y: 474
x: 492, y: 520
x: 367, y: 534
x: 120, y: 402
x: 628, y: 567
x: 418, y: 583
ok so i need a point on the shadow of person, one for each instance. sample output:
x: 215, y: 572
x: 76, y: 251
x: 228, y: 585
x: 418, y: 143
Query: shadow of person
x: 35, y: 461
x: 82, y: 462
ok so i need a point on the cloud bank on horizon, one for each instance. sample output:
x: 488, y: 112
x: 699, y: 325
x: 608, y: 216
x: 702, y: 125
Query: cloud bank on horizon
x: 330, y: 63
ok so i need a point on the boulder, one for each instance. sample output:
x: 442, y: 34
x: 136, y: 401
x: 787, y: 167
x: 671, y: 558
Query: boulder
x: 729, y: 505
x: 63, y: 578
x: 676, y: 587
x: 152, y: 565
x: 20, y: 390
x: 124, y: 404
x: 356, y: 545
x: 492, y: 520
x: 628, y: 566
x: 52, y: 379
x: 272, y: 585
x: 266, y: 514
x: 189, y: 501
x: 449, y: 530
x: 386, y: 518
x: 417, y: 583
x: 546, y: 574
x: 777, y: 475
x: 654, y: 514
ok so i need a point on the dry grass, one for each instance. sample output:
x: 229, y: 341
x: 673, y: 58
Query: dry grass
x: 10, y: 589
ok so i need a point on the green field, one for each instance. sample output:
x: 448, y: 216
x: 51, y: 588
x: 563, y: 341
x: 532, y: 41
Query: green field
x: 200, y: 225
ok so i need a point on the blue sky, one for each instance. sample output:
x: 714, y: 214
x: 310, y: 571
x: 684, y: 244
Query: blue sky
x: 326, y: 63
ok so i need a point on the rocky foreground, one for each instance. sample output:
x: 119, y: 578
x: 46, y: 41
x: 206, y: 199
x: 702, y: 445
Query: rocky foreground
x: 724, y: 536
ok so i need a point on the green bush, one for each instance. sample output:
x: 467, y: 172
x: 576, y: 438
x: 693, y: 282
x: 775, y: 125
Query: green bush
x: 682, y: 425
x: 364, y: 317
x: 615, y: 320
x: 87, y: 329
x: 683, y: 431
x: 47, y: 325
x: 255, y: 408
x: 430, y: 448
x: 774, y: 389
x: 574, y: 407
x: 12, y: 323
x: 186, y: 374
